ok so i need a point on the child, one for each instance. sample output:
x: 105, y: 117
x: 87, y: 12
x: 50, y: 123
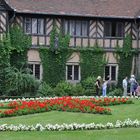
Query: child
x: 104, y: 87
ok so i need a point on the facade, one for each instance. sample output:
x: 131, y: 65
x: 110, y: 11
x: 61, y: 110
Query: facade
x: 105, y: 22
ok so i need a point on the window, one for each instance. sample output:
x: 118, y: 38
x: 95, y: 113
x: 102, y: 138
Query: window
x: 35, y: 70
x: 28, y: 25
x: 73, y: 72
x: 34, y: 26
x: 113, y: 29
x: 111, y: 71
x: 76, y: 27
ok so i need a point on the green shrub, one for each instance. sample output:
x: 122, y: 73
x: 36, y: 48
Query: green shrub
x: 78, y: 90
x: 89, y: 85
x: 111, y: 87
x: 89, y: 92
x: 45, y: 90
x: 63, y: 89
x: 116, y: 92
x: 19, y: 83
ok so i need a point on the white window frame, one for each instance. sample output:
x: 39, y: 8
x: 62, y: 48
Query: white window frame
x: 41, y: 70
x: 110, y: 65
x: 73, y: 64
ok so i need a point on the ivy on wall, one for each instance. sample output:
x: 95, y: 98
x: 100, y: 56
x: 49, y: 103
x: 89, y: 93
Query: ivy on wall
x: 54, y: 59
x: 5, y: 51
x: 13, y: 54
x: 20, y: 44
x: 54, y: 65
x: 92, y: 62
x: 126, y: 55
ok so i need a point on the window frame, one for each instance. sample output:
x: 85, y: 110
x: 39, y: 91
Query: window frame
x: 79, y: 73
x: 25, y: 25
x: 33, y: 72
x: 110, y: 65
x: 37, y: 25
x: 116, y: 29
x: 67, y: 24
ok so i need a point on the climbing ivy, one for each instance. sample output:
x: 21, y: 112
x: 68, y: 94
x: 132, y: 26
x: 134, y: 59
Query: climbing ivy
x: 20, y: 44
x: 54, y: 58
x: 13, y: 54
x: 92, y: 62
x: 54, y: 65
x: 5, y: 51
x: 126, y: 54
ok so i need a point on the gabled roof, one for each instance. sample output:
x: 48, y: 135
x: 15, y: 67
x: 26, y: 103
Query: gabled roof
x: 88, y: 8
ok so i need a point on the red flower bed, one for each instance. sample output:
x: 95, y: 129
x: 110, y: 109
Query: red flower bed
x: 92, y: 105
x: 60, y: 104
x: 76, y: 105
x: 110, y: 101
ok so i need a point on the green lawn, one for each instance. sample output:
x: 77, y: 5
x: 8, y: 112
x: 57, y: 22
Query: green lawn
x: 119, y: 112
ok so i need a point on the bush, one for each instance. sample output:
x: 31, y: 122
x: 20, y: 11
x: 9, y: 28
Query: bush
x: 89, y: 92
x: 116, y: 92
x: 45, y: 90
x: 89, y: 85
x: 78, y: 90
x: 19, y: 83
x: 63, y: 89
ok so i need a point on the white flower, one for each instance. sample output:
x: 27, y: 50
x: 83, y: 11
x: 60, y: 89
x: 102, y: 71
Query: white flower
x: 109, y: 125
x: 136, y: 123
x: 73, y: 126
x: 39, y: 127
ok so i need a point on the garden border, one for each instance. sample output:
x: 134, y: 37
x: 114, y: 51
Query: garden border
x: 71, y: 127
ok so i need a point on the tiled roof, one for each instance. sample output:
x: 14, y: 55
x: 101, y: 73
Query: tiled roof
x: 89, y: 8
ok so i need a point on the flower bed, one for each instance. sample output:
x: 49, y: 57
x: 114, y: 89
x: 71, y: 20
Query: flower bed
x: 74, y: 97
x: 111, y: 101
x: 60, y: 104
x: 70, y: 104
x: 70, y: 127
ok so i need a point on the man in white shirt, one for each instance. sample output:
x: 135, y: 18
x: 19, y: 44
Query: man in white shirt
x: 124, y: 84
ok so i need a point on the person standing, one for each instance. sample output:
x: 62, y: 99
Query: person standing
x: 132, y: 82
x: 108, y: 79
x: 124, y: 84
x: 98, y: 85
x: 104, y: 88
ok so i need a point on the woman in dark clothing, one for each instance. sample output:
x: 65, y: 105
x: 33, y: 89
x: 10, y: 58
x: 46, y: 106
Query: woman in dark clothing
x: 98, y: 85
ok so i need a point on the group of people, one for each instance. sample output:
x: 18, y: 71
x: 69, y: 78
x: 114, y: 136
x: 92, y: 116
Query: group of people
x: 101, y: 85
x: 134, y: 86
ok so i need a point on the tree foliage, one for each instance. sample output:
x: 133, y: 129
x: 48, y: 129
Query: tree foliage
x: 20, y: 44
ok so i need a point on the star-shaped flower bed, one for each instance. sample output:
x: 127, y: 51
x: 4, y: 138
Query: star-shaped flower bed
x: 92, y: 105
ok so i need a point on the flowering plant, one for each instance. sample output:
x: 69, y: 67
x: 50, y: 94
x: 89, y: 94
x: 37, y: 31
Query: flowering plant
x: 70, y: 127
x: 71, y: 104
x: 60, y: 104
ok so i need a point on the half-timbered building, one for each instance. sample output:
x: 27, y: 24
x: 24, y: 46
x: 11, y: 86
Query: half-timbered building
x: 105, y: 22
